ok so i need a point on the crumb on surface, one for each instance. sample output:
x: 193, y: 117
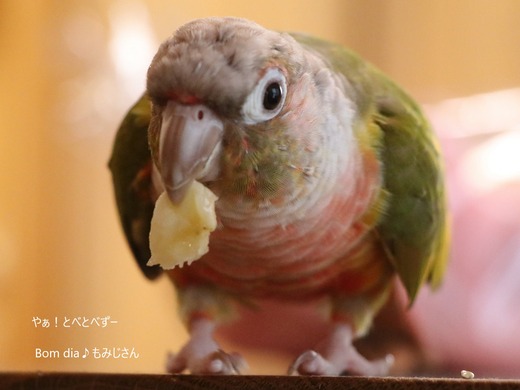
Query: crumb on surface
x: 467, y: 374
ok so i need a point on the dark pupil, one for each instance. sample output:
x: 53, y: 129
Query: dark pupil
x: 272, y: 96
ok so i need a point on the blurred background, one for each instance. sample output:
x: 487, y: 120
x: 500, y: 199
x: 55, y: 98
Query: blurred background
x: 70, y: 69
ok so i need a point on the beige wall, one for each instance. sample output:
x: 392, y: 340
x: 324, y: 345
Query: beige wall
x: 62, y: 94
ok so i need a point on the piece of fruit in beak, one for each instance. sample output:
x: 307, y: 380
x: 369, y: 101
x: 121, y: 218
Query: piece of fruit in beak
x: 189, y: 147
x: 179, y: 233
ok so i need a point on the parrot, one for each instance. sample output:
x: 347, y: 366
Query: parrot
x: 328, y: 178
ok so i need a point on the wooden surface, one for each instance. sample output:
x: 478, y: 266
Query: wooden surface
x: 194, y: 382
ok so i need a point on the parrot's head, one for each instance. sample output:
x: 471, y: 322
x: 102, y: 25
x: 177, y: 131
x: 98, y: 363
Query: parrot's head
x: 238, y: 108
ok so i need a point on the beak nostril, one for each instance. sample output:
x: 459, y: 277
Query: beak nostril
x: 200, y: 115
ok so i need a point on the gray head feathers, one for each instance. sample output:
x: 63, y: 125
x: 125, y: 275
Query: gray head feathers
x: 216, y: 60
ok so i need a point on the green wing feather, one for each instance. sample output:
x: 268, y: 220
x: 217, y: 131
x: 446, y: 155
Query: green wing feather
x: 131, y: 165
x: 413, y: 229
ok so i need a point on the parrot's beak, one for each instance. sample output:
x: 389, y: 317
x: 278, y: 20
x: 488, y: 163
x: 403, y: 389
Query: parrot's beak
x: 189, y: 147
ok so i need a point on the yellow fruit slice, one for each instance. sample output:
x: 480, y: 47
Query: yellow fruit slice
x: 179, y: 234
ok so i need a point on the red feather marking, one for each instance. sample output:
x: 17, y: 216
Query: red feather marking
x: 184, y: 99
x: 141, y: 182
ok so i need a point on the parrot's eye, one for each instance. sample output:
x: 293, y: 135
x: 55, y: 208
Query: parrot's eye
x: 267, y: 98
x: 272, y: 96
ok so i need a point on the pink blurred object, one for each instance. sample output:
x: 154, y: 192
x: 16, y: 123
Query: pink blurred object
x: 473, y: 321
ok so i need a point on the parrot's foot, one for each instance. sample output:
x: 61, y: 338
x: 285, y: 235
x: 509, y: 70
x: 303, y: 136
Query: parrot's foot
x: 337, y: 356
x: 216, y: 363
x: 202, y: 355
x: 312, y: 363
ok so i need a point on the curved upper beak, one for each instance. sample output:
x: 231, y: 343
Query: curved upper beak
x: 189, y: 147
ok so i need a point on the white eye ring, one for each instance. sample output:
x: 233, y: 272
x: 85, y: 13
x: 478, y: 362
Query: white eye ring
x: 267, y: 98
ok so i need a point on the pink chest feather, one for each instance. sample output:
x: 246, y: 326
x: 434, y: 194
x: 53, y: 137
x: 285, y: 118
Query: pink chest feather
x: 331, y: 248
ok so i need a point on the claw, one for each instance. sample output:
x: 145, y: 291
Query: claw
x: 226, y: 363
x: 308, y: 363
